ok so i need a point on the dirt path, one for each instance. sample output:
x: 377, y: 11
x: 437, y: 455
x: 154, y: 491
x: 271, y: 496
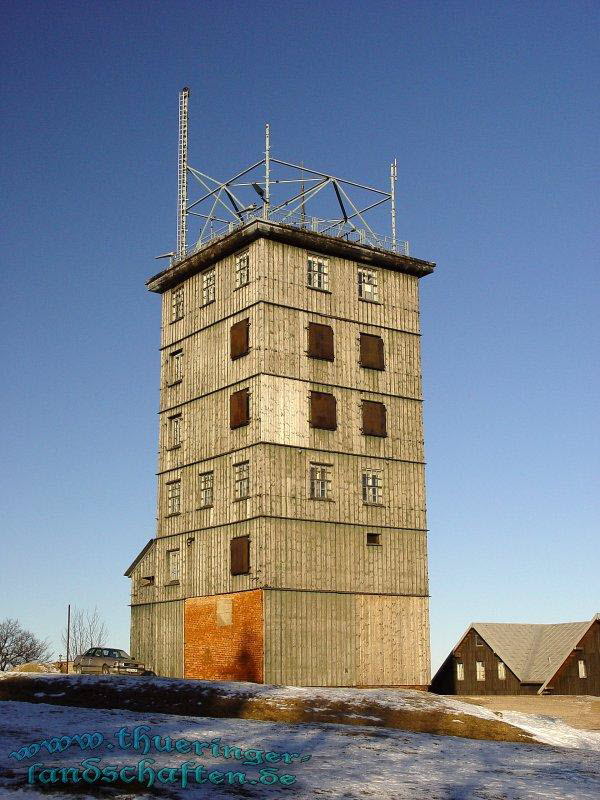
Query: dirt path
x: 579, y: 712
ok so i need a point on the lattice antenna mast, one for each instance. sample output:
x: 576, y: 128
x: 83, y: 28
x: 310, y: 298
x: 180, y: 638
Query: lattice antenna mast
x: 393, y: 179
x: 184, y: 95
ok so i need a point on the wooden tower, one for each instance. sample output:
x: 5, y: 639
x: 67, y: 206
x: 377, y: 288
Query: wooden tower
x: 291, y: 543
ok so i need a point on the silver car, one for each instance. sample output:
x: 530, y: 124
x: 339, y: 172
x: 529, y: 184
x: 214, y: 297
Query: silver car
x: 108, y: 660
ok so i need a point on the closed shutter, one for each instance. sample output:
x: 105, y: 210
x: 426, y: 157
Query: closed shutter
x: 240, y: 339
x: 371, y: 351
x: 240, y: 555
x: 323, y: 411
x: 320, y: 341
x: 239, y: 408
x: 373, y: 419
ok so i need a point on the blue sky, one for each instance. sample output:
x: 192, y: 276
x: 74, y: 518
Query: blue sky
x: 491, y: 111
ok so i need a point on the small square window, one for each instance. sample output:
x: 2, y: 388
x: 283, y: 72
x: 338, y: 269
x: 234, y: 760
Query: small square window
x: 581, y: 668
x: 501, y: 671
x: 205, y: 486
x: 175, y: 431
x: 177, y: 304
x: 242, y: 269
x: 147, y: 580
x: 317, y: 269
x: 173, y: 565
x: 480, y: 670
x: 174, y: 497
x: 367, y: 284
x: 320, y: 481
x: 208, y: 287
x: 175, y: 367
x: 241, y: 478
x: 460, y: 671
x: 478, y: 640
x: 372, y: 493
x: 373, y: 538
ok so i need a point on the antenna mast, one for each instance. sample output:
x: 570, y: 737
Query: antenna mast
x: 182, y: 172
x: 267, y: 200
x: 393, y: 179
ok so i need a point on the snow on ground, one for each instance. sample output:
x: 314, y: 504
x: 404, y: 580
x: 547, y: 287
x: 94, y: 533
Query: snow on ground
x: 345, y: 762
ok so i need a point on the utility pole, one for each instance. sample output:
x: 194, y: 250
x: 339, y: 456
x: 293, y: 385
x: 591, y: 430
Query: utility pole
x: 68, y: 634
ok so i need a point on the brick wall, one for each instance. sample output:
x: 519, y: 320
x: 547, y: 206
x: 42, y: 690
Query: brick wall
x: 223, y: 637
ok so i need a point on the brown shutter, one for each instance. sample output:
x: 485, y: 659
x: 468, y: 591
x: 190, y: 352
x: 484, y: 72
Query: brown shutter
x: 239, y: 338
x: 373, y: 419
x: 239, y: 549
x: 239, y: 408
x: 320, y: 341
x: 371, y: 351
x: 323, y: 411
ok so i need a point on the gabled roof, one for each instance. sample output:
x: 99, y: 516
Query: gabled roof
x: 532, y: 652
x: 138, y: 558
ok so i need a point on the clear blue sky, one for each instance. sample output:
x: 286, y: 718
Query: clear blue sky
x: 491, y: 110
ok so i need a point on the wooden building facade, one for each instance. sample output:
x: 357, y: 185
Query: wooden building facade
x: 291, y: 544
x: 503, y: 659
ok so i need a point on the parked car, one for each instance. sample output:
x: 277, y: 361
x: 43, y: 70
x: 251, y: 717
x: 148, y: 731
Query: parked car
x: 108, y: 660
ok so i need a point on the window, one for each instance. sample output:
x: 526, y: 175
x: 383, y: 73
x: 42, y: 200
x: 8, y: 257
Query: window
x: 147, y: 580
x: 173, y: 565
x: 239, y: 408
x: 208, y: 287
x: 501, y: 671
x: 460, y: 671
x: 240, y: 555
x: 241, y: 480
x: 174, y: 431
x: 371, y: 486
x: 320, y: 481
x: 373, y: 419
x: 367, y: 284
x: 239, y: 339
x: 581, y: 668
x: 177, y: 304
x: 318, y: 272
x: 242, y: 269
x: 173, y: 497
x: 323, y: 411
x: 320, y: 341
x: 205, y: 485
x: 480, y: 670
x: 371, y: 352
x: 478, y: 640
x: 374, y: 539
x: 175, y: 367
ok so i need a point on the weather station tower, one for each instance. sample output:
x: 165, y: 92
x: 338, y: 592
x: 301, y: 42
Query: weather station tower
x: 291, y: 543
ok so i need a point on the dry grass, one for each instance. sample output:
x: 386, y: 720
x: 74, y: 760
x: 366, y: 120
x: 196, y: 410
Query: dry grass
x: 207, y: 700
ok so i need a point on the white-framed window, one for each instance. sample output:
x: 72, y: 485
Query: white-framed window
x: 480, y: 670
x: 208, y: 287
x: 372, y: 486
x: 581, y: 668
x: 175, y: 431
x: 173, y: 565
x: 175, y: 366
x: 242, y: 269
x: 206, y: 488
x: 317, y: 275
x: 320, y: 481
x: 460, y: 671
x: 241, y: 479
x: 501, y: 671
x: 174, y: 497
x: 367, y: 284
x: 177, y: 304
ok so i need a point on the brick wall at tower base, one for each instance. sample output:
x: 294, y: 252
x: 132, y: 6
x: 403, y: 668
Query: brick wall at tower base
x: 224, y: 637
